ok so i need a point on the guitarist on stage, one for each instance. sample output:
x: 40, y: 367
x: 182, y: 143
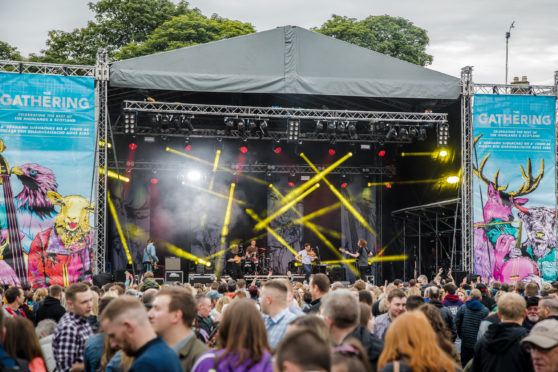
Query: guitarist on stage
x: 234, y: 262
x: 149, y: 257
x: 361, y: 255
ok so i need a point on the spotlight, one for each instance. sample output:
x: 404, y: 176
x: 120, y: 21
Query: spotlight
x: 241, y: 125
x: 388, y: 185
x: 251, y: 125
x: 193, y: 176
x: 291, y: 181
x: 277, y: 148
x: 132, y: 146
x: 342, y: 126
x: 443, y: 134
x: 188, y: 147
x: 382, y: 153
x: 243, y: 149
x: 154, y: 181
x: 344, y: 185
x: 344, y: 182
x: 413, y: 132
x: 187, y: 123
x: 263, y: 125
x: 403, y: 134
x: 319, y: 127
x: 165, y: 122
x: 421, y: 136
x: 293, y: 130
x: 331, y: 151
x: 352, y: 131
x: 443, y: 153
x: 452, y: 179
x: 331, y: 126
x: 229, y: 123
x: 392, y: 133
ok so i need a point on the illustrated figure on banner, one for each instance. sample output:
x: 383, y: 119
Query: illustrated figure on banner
x: 498, y: 251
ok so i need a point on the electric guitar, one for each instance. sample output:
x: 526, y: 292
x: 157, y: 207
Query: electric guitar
x: 153, y: 264
x: 14, y: 241
x: 237, y: 259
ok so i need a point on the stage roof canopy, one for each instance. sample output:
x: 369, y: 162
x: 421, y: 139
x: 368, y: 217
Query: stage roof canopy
x: 285, y: 60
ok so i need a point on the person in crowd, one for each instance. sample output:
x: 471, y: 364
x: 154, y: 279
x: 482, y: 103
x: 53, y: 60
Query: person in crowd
x: 467, y: 323
x: 172, y: 316
x: 499, y: 348
x: 292, y: 304
x: 241, y: 285
x: 441, y: 330
x: 411, y: 345
x: 204, y: 321
x: 396, y: 302
x: 94, y: 347
x: 487, y: 300
x: 51, y: 307
x: 273, y: 303
x: 22, y: 342
x: 366, y: 319
x: 433, y: 293
x: 306, y: 302
x: 303, y: 350
x: 319, y: 287
x: 519, y: 288
x: 126, y: 324
x: 73, y: 330
x: 6, y: 360
x: 531, y: 289
x: 242, y: 340
x: 542, y: 344
x: 38, y: 300
x: 147, y: 283
x: 306, y: 257
x: 314, y: 322
x: 234, y: 263
x: 341, y: 313
x: 148, y: 297
x: 492, y: 318
x: 92, y: 318
x: 422, y: 283
x: 231, y: 288
x: 414, y: 302
x: 532, y: 312
x: 365, y: 297
x: 45, y: 333
x: 254, y: 293
x: 27, y: 306
x: 15, y: 298
x: 350, y: 357
x: 548, y: 308
x: 451, y: 300
x: 462, y: 294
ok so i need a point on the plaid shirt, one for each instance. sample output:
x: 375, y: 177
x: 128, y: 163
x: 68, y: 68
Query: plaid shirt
x: 69, y: 341
x: 277, y: 326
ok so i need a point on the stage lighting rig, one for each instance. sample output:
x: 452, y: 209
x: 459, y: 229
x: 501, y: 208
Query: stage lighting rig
x: 319, y: 127
x: 352, y: 130
x: 130, y: 123
x: 331, y: 126
x: 165, y: 123
x: 186, y: 123
x: 443, y: 134
x: 293, y: 130
x: 421, y: 135
x: 229, y: 123
x: 342, y: 127
x: 403, y: 134
x: 392, y: 133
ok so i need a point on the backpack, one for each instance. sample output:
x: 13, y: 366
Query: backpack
x: 21, y: 365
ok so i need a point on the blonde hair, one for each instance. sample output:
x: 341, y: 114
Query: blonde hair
x: 95, y: 308
x: 221, y: 303
x: 40, y: 294
x: 413, y: 291
x: 511, y: 306
x: 411, y: 337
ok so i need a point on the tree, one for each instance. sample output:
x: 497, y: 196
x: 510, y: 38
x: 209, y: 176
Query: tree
x: 396, y: 37
x: 186, y: 30
x: 9, y: 52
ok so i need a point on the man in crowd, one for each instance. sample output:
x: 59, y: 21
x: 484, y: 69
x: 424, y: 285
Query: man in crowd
x: 467, y: 323
x: 51, y: 307
x: 172, y: 315
x: 73, y: 330
x: 303, y: 350
x: 15, y: 299
x: 231, y: 288
x: 531, y: 289
x: 341, y: 312
x: 486, y: 299
x: 548, y: 308
x: 204, y: 320
x: 542, y: 343
x: 273, y: 303
x: 532, y: 312
x: 433, y: 293
x: 126, y: 324
x: 499, y: 348
x: 396, y: 303
x: 319, y: 286
x: 452, y: 301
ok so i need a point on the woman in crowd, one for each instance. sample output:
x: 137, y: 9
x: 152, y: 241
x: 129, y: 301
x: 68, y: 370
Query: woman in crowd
x: 443, y: 334
x: 366, y: 319
x: 411, y: 345
x: 242, y: 341
x: 313, y: 322
x: 350, y: 357
x: 22, y: 342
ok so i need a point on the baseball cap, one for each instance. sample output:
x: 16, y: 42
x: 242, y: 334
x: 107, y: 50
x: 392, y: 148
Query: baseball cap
x: 544, y: 334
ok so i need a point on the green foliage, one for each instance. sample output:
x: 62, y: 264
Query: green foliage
x: 186, y: 30
x: 396, y: 37
x: 9, y: 52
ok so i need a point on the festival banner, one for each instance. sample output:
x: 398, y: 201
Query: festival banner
x: 47, y: 159
x: 514, y: 188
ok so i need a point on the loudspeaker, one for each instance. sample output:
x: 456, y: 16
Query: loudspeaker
x: 173, y: 264
x: 337, y: 274
x: 103, y: 278
x: 174, y: 276
x: 120, y: 276
x: 318, y: 269
x: 204, y: 279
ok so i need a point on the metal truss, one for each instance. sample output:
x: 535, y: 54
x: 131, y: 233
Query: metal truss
x: 46, y: 68
x: 516, y: 89
x: 101, y: 125
x: 282, y: 113
x: 467, y: 241
x: 254, y: 168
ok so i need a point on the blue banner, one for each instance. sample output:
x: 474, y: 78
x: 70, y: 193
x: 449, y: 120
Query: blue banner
x: 514, y: 188
x: 47, y: 159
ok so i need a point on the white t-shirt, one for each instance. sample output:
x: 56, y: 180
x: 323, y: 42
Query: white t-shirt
x: 305, y: 257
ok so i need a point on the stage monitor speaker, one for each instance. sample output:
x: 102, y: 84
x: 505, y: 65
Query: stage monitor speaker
x: 337, y: 274
x: 174, y: 276
x: 120, y: 276
x: 204, y: 279
x: 101, y: 279
x: 318, y: 269
x: 173, y: 264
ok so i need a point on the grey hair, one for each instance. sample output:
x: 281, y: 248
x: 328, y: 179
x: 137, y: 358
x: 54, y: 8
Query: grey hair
x: 45, y: 328
x: 551, y: 303
x: 342, y: 307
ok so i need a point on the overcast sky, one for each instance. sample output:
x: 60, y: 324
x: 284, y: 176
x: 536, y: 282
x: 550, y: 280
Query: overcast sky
x: 461, y: 32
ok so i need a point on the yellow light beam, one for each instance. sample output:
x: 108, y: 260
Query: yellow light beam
x: 400, y: 257
x: 222, y: 196
x: 260, y: 225
x: 318, y: 213
x: 114, y: 175
x: 119, y: 228
x: 211, y: 183
x: 225, y: 230
x: 341, y: 198
x: 225, y: 169
x: 278, y: 237
x: 389, y: 243
x: 319, y: 175
x: 432, y: 180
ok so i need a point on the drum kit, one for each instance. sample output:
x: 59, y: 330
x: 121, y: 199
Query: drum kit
x: 258, y: 262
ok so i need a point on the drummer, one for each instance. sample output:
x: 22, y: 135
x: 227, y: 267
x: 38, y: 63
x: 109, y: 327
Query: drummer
x: 251, y: 250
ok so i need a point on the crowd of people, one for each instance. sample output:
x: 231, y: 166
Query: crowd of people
x: 274, y: 324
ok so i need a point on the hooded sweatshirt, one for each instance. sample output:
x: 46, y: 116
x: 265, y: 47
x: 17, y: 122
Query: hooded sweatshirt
x: 499, y: 349
x: 467, y: 322
x: 452, y: 302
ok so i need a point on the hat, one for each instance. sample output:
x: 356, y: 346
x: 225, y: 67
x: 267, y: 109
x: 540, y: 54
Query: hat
x: 544, y: 334
x: 481, y: 287
x: 214, y: 295
x: 532, y: 301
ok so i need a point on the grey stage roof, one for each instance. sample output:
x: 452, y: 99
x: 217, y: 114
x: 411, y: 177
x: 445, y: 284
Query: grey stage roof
x: 285, y: 60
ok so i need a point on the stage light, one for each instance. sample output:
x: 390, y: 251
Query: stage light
x: 229, y: 123
x: 344, y: 184
x: 252, y: 124
x: 243, y: 149
x: 392, y: 133
x: 277, y: 148
x: 443, y: 134
x: 421, y: 136
x: 452, y: 179
x: 388, y: 185
x: 331, y: 126
x: 293, y: 130
x: 241, y: 125
x: 263, y: 124
x: 319, y: 127
x: 165, y: 122
x: 188, y: 147
x: 132, y: 146
x: 413, y: 132
x: 331, y: 151
x: 291, y: 184
x: 154, y: 181
x: 443, y: 153
x: 382, y: 153
x: 352, y: 131
x: 208, y: 264
x: 403, y: 134
x: 130, y: 122
x: 194, y: 175
x: 342, y: 126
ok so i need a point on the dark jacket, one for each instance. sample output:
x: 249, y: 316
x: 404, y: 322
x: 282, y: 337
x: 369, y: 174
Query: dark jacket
x: 499, y: 349
x: 314, y: 306
x: 206, y: 324
x: 528, y: 325
x: 453, y: 303
x: 488, y: 302
x: 467, y: 322
x: 372, y: 344
x: 50, y: 309
x: 486, y: 322
x: 447, y: 316
x: 190, y: 352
